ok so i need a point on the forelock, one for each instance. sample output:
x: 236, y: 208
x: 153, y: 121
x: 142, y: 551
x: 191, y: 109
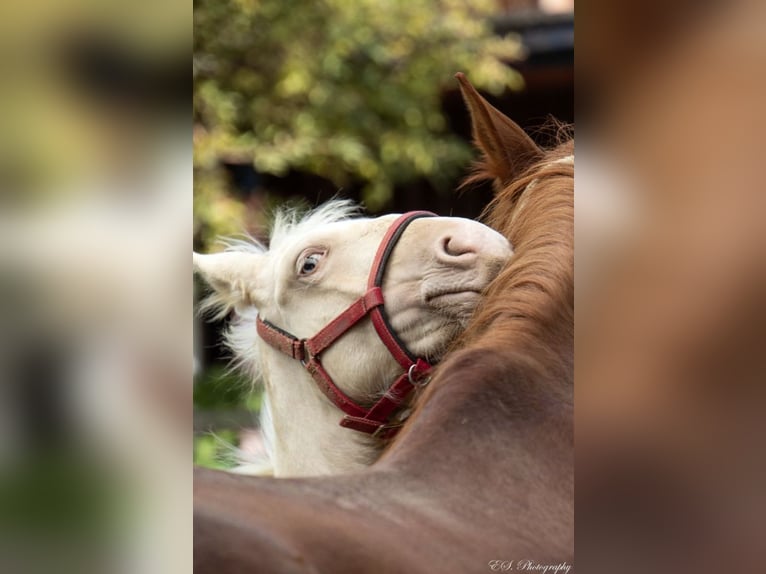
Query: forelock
x: 290, y: 223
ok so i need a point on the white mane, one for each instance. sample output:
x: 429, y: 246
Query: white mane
x: 290, y: 224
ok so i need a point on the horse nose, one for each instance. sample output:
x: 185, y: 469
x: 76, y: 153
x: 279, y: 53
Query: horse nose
x: 457, y: 249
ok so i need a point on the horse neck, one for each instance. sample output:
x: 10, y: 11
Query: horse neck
x: 307, y: 439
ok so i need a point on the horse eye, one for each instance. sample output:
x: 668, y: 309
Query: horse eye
x: 310, y: 263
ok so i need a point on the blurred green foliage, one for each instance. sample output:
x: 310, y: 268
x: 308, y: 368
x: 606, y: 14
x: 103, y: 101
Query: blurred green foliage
x: 349, y: 90
x: 216, y: 450
x: 219, y: 388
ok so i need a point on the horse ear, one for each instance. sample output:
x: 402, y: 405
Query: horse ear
x: 234, y: 276
x: 508, y: 151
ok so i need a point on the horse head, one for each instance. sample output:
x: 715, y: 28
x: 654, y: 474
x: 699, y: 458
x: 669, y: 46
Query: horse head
x: 298, y: 293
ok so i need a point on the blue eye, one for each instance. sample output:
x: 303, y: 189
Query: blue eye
x: 310, y: 263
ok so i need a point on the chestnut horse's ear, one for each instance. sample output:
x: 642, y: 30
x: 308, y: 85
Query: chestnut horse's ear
x: 508, y: 151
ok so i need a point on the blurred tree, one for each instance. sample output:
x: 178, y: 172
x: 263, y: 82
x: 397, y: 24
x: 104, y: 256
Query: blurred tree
x: 348, y: 90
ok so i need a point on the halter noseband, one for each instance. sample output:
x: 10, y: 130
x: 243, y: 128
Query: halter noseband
x: 373, y: 420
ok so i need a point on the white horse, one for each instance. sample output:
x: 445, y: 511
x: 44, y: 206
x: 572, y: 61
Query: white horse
x: 336, y: 314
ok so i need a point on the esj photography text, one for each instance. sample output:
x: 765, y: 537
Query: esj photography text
x: 529, y: 566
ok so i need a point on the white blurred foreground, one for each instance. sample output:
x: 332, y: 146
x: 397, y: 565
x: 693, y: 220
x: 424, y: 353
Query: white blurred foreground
x: 95, y: 297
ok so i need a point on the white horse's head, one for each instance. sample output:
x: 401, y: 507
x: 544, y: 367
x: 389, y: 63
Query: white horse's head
x: 317, y: 266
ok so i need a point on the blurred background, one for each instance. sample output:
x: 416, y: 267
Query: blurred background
x: 670, y: 283
x: 95, y: 294
x: 297, y: 102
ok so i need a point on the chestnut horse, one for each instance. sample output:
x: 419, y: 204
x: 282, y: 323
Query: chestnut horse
x: 482, y: 473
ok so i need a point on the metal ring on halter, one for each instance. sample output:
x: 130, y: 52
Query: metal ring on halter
x: 307, y: 357
x: 417, y: 382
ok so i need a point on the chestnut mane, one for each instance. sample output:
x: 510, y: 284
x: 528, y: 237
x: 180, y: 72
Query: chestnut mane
x: 531, y: 303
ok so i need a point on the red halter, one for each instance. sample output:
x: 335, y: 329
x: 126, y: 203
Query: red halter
x: 373, y: 420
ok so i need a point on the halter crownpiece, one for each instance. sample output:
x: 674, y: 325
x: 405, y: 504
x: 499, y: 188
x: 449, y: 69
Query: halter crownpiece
x: 375, y: 420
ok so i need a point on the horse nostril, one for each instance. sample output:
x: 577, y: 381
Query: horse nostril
x: 456, y: 247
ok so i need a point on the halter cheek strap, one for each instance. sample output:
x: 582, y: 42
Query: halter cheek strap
x: 375, y: 420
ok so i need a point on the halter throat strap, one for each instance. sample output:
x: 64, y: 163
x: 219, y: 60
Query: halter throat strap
x: 375, y: 420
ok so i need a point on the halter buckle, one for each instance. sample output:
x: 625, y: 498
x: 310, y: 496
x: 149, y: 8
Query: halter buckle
x: 305, y: 357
